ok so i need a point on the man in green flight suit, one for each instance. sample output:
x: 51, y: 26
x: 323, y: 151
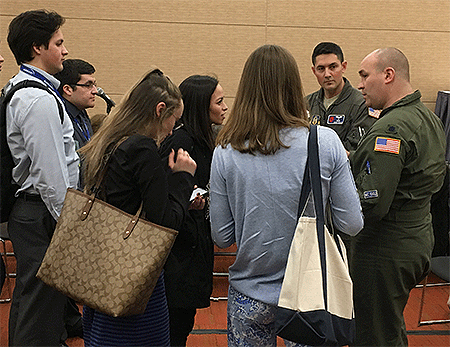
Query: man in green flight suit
x: 397, y: 166
x: 337, y: 104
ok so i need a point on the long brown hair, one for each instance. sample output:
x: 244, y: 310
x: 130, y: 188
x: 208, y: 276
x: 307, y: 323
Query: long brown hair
x: 269, y: 97
x: 136, y: 114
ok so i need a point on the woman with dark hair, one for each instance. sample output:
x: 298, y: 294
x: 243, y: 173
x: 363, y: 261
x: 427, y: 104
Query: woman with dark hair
x: 135, y: 174
x: 188, y: 271
x: 256, y: 178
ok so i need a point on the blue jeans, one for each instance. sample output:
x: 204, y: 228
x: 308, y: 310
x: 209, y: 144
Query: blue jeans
x: 250, y: 322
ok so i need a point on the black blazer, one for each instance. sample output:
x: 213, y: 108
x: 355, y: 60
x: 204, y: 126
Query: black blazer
x: 189, y: 267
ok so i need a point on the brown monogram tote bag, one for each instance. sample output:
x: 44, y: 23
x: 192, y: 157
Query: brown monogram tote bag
x: 103, y: 257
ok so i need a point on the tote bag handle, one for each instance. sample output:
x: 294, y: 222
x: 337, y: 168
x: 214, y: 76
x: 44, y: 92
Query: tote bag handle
x: 316, y: 183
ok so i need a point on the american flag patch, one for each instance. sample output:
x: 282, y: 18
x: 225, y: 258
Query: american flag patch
x: 374, y: 113
x: 385, y: 144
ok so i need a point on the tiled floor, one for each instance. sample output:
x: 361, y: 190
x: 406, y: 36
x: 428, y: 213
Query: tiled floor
x: 210, y: 323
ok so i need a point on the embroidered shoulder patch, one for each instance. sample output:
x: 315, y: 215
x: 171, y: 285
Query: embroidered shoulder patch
x: 336, y: 119
x: 386, y: 144
x: 374, y: 113
x: 371, y: 194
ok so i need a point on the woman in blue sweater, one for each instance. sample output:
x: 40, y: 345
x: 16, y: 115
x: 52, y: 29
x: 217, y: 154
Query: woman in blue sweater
x: 256, y: 178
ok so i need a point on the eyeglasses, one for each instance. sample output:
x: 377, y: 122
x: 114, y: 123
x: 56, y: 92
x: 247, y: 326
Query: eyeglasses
x: 89, y: 85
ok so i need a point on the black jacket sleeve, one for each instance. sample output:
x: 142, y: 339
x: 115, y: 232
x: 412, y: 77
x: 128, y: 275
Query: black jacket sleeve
x: 136, y: 174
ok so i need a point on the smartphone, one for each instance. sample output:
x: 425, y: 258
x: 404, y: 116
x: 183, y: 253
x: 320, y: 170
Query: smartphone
x: 200, y: 191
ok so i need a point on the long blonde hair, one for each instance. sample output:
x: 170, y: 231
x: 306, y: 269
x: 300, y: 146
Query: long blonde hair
x: 269, y: 97
x: 136, y: 114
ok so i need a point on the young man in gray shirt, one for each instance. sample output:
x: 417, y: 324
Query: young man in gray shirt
x: 46, y: 164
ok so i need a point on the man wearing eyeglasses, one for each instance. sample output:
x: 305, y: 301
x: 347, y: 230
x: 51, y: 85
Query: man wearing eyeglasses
x: 78, y: 88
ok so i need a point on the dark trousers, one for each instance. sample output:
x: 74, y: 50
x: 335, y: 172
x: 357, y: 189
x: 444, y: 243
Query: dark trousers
x: 181, y: 324
x: 36, y: 315
x: 384, y: 272
x: 72, y: 320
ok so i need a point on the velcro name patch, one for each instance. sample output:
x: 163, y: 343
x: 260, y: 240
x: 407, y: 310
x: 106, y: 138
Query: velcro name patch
x: 336, y: 119
x: 371, y: 194
x: 386, y: 144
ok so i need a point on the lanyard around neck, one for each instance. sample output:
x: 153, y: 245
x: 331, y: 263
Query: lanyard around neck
x: 40, y: 76
x: 83, y: 128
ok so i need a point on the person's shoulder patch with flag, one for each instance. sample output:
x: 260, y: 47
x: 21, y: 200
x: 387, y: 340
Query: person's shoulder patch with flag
x: 374, y: 113
x: 386, y: 144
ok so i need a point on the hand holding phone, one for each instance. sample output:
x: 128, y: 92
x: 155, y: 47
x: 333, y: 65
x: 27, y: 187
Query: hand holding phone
x: 198, y: 191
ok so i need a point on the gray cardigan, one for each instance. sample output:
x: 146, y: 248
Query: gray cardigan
x: 254, y: 202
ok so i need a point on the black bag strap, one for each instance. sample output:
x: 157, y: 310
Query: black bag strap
x: 316, y: 182
x: 7, y: 188
x: 306, y: 188
x: 31, y: 84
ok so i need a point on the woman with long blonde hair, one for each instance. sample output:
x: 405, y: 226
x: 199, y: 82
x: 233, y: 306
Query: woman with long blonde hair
x: 127, y: 145
x: 256, y: 178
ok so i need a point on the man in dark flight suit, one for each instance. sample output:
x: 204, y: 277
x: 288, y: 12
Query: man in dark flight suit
x: 397, y: 166
x: 337, y: 104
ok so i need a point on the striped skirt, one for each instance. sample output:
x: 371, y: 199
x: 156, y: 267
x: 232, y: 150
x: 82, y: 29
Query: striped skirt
x: 148, y: 329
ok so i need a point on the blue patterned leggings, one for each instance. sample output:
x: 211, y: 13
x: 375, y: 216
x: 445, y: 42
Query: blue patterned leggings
x: 251, y: 322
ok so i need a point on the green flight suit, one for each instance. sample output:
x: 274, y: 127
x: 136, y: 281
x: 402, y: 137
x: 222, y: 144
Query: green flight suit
x: 348, y: 115
x: 397, y: 166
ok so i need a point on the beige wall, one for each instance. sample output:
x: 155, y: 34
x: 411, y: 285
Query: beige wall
x: 124, y: 38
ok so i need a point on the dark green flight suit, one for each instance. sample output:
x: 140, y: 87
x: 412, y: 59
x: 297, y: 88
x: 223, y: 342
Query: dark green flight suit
x: 397, y: 166
x: 348, y: 115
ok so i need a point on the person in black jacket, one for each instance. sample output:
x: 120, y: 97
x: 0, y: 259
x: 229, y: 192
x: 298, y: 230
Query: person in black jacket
x: 189, y: 268
x: 136, y: 175
x: 78, y: 88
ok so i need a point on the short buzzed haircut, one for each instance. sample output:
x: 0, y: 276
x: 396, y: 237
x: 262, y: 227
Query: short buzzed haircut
x: 327, y: 48
x: 393, y: 57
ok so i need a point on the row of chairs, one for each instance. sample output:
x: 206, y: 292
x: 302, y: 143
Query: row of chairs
x: 6, y: 256
x: 440, y: 266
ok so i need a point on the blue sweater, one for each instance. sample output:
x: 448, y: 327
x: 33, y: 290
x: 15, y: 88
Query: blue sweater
x: 254, y: 203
